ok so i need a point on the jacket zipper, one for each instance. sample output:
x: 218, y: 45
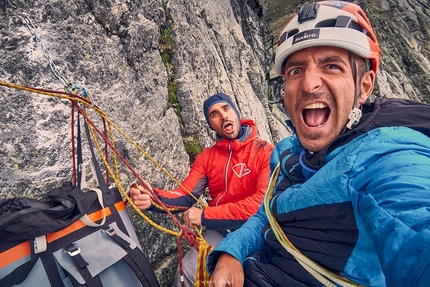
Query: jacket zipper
x: 226, y: 172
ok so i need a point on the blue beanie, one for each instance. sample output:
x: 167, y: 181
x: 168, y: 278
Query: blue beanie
x: 218, y: 98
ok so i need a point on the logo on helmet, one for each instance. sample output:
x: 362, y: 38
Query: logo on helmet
x: 306, y: 35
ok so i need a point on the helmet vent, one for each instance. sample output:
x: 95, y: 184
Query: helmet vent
x: 292, y: 33
x: 287, y: 35
x: 342, y: 21
x: 326, y: 23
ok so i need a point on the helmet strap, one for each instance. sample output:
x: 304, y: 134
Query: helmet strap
x: 355, y: 114
x: 354, y: 117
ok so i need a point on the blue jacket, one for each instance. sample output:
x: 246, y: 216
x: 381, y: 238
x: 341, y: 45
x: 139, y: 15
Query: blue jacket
x: 360, y: 207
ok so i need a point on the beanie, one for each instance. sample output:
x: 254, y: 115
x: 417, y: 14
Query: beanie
x: 218, y: 98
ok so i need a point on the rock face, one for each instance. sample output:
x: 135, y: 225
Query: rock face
x: 149, y: 65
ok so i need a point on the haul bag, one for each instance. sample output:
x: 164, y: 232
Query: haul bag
x: 79, y: 255
x: 79, y: 236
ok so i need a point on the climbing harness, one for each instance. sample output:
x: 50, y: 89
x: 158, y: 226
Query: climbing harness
x: 323, y: 275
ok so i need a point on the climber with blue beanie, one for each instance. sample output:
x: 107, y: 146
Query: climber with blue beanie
x: 214, y: 99
x: 235, y: 171
x: 222, y: 98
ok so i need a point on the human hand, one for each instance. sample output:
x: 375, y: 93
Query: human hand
x: 141, y: 195
x: 228, y: 272
x: 193, y: 216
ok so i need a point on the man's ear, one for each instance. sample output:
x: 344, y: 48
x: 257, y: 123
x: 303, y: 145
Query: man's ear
x: 366, y: 86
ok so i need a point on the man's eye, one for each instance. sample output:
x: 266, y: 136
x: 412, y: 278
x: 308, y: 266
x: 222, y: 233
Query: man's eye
x: 332, y: 66
x: 294, y: 72
x: 214, y: 115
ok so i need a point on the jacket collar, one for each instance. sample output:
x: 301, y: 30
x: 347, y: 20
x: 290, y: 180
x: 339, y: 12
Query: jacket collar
x: 380, y: 113
x: 248, y: 134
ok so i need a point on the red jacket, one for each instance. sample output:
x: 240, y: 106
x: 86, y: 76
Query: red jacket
x: 236, y: 174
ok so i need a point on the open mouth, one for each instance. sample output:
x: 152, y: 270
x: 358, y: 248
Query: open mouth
x: 316, y: 114
x: 228, y: 127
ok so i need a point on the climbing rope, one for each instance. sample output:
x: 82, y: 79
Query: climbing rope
x: 81, y: 101
x: 81, y: 105
x: 323, y: 275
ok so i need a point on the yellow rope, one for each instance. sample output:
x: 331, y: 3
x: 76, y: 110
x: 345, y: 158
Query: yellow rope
x: 202, y: 275
x: 204, y: 249
x: 86, y: 103
x: 323, y: 275
x: 121, y: 189
x: 110, y: 123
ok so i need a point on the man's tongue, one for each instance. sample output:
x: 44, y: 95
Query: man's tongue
x: 315, y: 117
x: 228, y: 128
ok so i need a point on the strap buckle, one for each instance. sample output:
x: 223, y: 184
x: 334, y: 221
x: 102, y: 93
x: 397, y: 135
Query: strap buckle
x: 109, y: 230
x: 72, y: 249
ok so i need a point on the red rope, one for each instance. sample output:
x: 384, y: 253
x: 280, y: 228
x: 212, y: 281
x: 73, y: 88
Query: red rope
x: 191, y: 238
x: 73, y: 144
x: 155, y: 198
x: 186, y: 232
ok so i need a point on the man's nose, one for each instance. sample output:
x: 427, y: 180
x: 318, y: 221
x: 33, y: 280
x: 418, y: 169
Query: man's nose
x: 224, y: 115
x: 311, y: 81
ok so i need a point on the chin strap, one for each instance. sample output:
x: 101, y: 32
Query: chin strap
x: 355, y: 114
x: 353, y: 117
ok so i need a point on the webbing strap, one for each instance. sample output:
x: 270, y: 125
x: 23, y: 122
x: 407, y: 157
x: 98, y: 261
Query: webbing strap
x: 74, y: 252
x: 321, y: 274
x: 96, y: 173
x: 135, y: 259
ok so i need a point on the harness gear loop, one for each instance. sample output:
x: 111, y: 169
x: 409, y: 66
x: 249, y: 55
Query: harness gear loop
x: 323, y: 275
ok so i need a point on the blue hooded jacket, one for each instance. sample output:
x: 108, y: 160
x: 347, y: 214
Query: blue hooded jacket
x: 359, y: 208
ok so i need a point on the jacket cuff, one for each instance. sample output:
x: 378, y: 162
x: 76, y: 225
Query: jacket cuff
x: 202, y: 218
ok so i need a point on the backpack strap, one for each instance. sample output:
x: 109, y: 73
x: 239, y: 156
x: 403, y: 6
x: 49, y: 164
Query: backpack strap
x: 74, y: 252
x: 103, y: 191
x: 19, y: 274
x: 135, y: 258
x: 323, y: 275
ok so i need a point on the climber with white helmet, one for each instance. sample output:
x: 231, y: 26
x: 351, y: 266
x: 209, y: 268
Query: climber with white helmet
x: 348, y: 202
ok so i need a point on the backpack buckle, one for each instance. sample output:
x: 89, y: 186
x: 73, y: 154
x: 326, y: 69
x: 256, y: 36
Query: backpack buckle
x: 72, y: 249
x: 109, y: 230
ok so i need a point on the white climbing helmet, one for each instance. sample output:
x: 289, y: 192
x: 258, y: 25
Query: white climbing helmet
x: 329, y: 23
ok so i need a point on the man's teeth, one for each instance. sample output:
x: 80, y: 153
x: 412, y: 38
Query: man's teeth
x: 316, y: 106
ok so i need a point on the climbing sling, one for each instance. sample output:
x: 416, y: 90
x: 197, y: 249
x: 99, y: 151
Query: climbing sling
x: 323, y: 275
